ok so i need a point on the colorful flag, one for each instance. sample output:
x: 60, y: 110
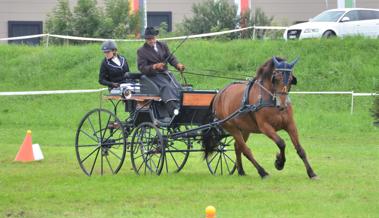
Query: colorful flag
x: 134, y: 6
x: 243, y: 6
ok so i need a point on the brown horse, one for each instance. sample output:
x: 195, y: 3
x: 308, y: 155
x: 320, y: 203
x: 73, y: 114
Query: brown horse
x: 270, y: 111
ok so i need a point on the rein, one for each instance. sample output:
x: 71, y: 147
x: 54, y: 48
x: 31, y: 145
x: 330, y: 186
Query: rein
x: 213, y: 76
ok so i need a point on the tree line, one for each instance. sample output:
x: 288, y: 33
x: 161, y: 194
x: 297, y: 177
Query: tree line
x: 114, y: 20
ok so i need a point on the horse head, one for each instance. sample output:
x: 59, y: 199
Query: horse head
x: 278, y: 74
x: 282, y: 78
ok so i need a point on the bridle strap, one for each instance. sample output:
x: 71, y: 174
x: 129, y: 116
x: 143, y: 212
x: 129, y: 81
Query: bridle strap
x: 262, y: 87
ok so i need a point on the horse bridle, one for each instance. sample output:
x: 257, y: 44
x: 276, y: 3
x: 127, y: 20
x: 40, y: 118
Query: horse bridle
x: 287, y: 75
x: 275, y: 94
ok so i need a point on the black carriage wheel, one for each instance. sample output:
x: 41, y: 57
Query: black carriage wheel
x: 100, y: 143
x: 177, y: 151
x: 147, y: 149
x: 222, y: 160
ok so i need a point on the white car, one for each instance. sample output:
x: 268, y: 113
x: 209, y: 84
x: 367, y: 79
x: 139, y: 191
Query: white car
x: 337, y: 22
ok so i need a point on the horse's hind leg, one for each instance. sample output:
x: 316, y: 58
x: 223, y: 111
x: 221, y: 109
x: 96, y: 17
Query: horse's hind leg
x: 270, y: 132
x: 240, y: 169
x: 242, y: 147
x: 292, y: 131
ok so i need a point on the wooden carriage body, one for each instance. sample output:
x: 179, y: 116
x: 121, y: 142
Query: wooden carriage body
x: 147, y: 106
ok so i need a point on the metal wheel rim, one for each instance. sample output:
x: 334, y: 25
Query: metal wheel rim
x: 220, y: 162
x: 147, y: 149
x: 106, y: 143
x: 176, y: 155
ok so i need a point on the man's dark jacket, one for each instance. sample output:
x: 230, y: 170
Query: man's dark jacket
x: 147, y: 56
x: 168, y: 86
x: 110, y: 72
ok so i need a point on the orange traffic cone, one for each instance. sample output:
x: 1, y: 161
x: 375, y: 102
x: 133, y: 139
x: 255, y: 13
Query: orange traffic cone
x: 29, y: 152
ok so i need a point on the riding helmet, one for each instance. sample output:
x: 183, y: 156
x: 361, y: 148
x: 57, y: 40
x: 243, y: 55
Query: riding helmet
x: 108, y: 45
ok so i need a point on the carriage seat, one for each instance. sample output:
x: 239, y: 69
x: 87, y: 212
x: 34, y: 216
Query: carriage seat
x: 148, y: 87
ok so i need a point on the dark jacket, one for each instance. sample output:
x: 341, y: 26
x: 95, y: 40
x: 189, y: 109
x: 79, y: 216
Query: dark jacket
x: 147, y: 56
x: 110, y: 72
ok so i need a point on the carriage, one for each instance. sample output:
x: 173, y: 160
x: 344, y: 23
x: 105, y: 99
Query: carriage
x: 217, y: 123
x: 105, y: 138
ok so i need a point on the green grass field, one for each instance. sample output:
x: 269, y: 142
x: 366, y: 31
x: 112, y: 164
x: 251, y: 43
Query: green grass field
x: 343, y: 148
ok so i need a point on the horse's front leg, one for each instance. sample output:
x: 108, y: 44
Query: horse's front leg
x: 270, y: 132
x: 292, y: 131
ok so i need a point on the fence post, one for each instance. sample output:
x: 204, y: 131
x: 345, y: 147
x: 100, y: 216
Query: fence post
x: 352, y: 102
x: 253, y: 32
x: 47, y: 40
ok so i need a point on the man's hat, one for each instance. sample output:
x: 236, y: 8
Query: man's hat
x: 150, y: 32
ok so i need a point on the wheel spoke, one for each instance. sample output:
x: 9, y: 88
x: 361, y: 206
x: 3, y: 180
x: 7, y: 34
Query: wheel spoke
x: 109, y: 164
x: 226, y: 163
x: 177, y: 165
x: 138, y: 169
x: 80, y: 146
x: 214, y: 156
x: 93, y: 128
x: 165, y: 160
x: 101, y: 162
x: 100, y: 128
x: 89, y: 154
x: 94, y: 162
x: 221, y: 164
x: 229, y: 158
x: 114, y: 154
x: 106, y: 126
x: 85, y: 133
x: 218, y: 162
x: 112, y: 134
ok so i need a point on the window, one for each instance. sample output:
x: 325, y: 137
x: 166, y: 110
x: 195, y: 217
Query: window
x: 24, y: 28
x: 156, y: 18
x: 367, y: 15
x: 353, y: 15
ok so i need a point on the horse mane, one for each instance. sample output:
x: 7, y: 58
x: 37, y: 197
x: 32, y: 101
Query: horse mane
x: 265, y: 71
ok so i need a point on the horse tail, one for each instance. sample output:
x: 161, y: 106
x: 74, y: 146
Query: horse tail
x: 209, y: 139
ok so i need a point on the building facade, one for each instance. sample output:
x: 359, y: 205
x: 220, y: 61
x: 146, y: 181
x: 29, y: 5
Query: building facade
x: 26, y: 17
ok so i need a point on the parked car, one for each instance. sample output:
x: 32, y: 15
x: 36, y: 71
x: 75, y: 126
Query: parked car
x: 337, y: 22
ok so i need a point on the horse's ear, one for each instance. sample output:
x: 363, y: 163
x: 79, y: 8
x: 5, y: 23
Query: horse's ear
x: 294, y: 80
x: 294, y: 62
x: 276, y: 62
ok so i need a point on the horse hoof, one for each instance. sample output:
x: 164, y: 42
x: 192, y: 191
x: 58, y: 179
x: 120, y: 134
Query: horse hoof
x: 265, y: 176
x: 242, y: 174
x: 315, y: 177
x: 278, y: 166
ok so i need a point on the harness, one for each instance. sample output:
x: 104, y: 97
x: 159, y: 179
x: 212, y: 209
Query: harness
x: 246, y: 107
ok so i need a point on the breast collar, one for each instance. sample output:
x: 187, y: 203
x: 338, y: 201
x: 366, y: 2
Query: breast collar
x: 122, y: 61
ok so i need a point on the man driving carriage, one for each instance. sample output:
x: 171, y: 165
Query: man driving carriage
x: 152, y: 59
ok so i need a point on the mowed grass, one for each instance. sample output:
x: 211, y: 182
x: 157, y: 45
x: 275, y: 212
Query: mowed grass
x: 343, y: 148
x: 56, y: 187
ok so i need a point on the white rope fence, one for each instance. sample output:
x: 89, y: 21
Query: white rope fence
x: 47, y: 35
x: 55, y: 92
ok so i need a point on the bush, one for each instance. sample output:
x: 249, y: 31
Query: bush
x: 214, y: 16
x: 60, y: 20
x: 88, y: 20
x: 211, y: 16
